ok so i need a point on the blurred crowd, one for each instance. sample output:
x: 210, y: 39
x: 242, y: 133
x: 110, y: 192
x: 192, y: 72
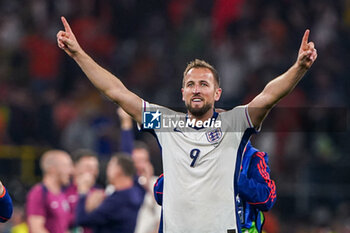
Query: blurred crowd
x: 46, y: 101
x: 71, y: 198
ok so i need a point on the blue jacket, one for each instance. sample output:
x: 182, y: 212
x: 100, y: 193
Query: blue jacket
x: 5, y: 206
x: 117, y: 213
x: 257, y: 192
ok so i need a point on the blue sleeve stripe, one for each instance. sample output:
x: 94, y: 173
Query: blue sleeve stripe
x: 262, y: 168
x: 248, y: 118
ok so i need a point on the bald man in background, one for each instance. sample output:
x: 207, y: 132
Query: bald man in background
x: 47, y: 206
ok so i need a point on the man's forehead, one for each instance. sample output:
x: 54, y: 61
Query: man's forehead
x: 199, y: 73
x: 87, y: 159
x: 113, y: 161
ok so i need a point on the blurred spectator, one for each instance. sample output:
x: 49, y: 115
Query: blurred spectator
x: 40, y: 47
x: 11, y: 30
x: 65, y: 111
x: 224, y: 13
x: 21, y: 123
x: 79, y: 133
x: 246, y: 39
x: 104, y: 129
x: 94, y: 35
x: 116, y: 212
x: 149, y: 215
x: 47, y: 206
x: 46, y: 129
x: 85, y: 161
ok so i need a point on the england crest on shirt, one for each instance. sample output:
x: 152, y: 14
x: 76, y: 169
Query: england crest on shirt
x: 214, y: 136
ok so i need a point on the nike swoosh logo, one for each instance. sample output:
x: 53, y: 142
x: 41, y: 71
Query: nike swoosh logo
x: 177, y: 130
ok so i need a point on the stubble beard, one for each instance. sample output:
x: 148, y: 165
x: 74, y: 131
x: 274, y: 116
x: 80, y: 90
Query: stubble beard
x: 198, y: 112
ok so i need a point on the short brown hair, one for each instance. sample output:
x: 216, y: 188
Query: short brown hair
x: 197, y: 63
x: 141, y: 145
x: 125, y: 162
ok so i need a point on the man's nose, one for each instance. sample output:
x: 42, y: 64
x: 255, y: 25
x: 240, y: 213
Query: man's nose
x: 196, y: 89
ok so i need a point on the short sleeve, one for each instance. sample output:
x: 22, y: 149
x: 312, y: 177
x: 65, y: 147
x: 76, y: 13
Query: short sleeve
x: 148, y: 109
x: 238, y: 119
x: 35, y: 202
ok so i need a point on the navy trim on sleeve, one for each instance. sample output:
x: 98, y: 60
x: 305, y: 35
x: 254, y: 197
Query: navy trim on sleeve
x: 6, y: 207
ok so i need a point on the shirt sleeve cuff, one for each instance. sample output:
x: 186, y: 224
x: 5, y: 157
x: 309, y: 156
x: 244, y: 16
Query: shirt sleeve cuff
x: 4, y: 193
x: 144, y: 107
x: 250, y: 123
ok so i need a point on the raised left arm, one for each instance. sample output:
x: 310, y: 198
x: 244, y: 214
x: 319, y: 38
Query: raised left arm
x: 281, y: 86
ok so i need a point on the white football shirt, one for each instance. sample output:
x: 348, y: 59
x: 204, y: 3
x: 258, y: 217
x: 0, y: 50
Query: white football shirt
x: 201, y: 167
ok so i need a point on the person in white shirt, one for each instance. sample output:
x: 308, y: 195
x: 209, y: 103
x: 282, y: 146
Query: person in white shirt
x: 196, y: 160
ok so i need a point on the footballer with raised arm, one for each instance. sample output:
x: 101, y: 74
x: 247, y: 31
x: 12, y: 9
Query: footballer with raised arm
x: 201, y: 163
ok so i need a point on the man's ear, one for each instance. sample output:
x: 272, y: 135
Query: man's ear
x: 217, y: 94
x: 182, y: 92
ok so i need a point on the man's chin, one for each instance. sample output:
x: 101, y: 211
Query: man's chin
x: 197, y: 107
x: 199, y: 111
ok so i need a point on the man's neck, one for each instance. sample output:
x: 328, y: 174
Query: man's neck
x: 52, y: 184
x: 123, y: 183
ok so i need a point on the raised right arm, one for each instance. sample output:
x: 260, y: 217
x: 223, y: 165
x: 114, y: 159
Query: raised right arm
x: 126, y: 133
x: 103, y: 80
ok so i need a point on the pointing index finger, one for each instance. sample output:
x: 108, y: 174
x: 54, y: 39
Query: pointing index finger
x: 305, y: 39
x: 65, y: 24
